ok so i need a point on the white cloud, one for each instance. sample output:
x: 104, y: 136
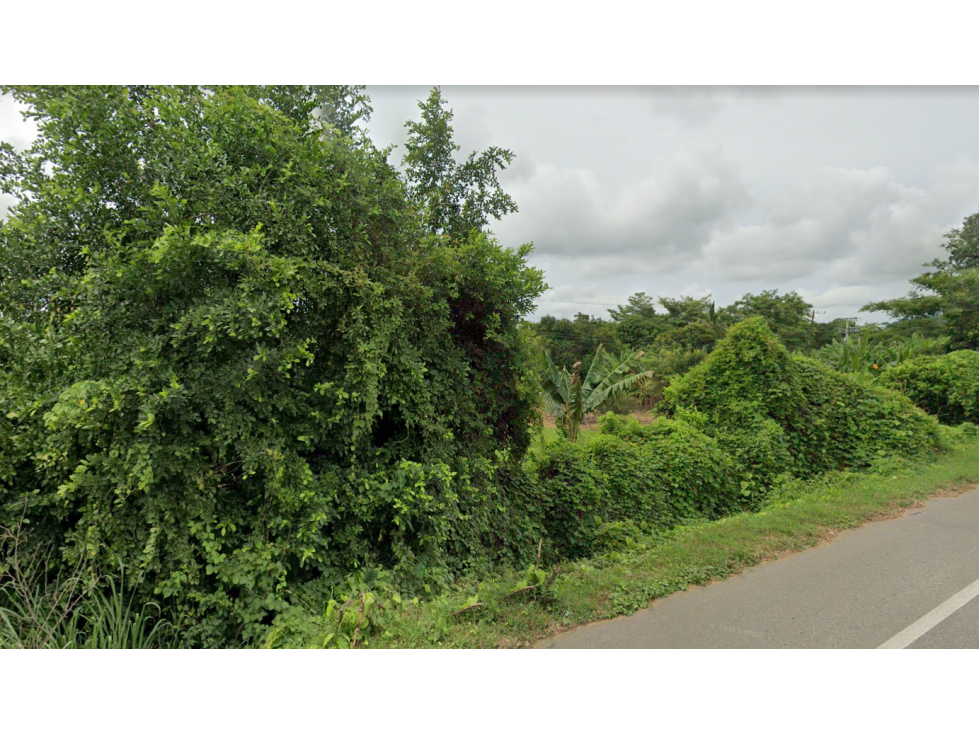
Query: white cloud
x: 659, y: 222
x: 852, y: 226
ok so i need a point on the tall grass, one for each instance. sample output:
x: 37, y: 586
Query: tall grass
x: 43, y: 611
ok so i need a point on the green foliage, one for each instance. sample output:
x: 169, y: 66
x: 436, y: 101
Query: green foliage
x: 569, y: 397
x: 788, y: 315
x: 664, y: 365
x: 455, y: 199
x: 684, y: 311
x: 870, y: 354
x: 955, y: 436
x: 618, y: 535
x: 64, y: 611
x: 570, y: 493
x: 637, y: 323
x: 776, y: 412
x: 949, y: 292
x: 946, y: 386
x: 663, y: 473
x: 234, y: 361
x: 576, y: 340
x: 653, y: 476
x: 698, y: 335
x: 355, y: 612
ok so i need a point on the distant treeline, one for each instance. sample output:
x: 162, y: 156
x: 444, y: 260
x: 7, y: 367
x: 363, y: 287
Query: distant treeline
x: 697, y: 324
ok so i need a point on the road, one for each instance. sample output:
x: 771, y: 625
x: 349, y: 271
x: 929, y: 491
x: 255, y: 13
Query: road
x: 911, y: 582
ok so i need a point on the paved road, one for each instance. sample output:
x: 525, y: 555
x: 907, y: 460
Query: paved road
x: 863, y: 589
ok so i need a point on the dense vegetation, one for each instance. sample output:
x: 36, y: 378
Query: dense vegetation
x: 947, y: 385
x: 240, y: 358
x: 945, y: 298
x: 251, y: 372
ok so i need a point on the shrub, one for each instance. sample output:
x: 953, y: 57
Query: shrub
x: 570, y: 493
x: 635, y: 491
x: 650, y: 477
x: 946, y: 386
x: 617, y: 535
x: 662, y: 473
x: 777, y: 412
x: 234, y: 360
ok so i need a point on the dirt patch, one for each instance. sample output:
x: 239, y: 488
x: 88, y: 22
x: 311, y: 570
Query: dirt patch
x: 590, y: 421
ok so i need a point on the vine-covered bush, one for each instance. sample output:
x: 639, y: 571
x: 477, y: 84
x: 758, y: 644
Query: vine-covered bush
x: 776, y: 412
x: 235, y: 362
x: 946, y: 386
x: 570, y: 495
x: 649, y: 477
x: 662, y: 473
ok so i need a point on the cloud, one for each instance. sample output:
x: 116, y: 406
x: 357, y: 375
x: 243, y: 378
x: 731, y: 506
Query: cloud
x: 686, y: 105
x: 852, y: 225
x: 661, y: 221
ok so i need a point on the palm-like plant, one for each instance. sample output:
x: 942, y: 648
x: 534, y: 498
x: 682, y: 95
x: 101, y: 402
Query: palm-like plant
x: 569, y: 398
x: 861, y: 355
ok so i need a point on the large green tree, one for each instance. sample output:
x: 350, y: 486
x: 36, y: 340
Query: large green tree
x: 454, y: 198
x: 788, y: 315
x: 637, y: 322
x: 233, y: 361
x: 947, y: 294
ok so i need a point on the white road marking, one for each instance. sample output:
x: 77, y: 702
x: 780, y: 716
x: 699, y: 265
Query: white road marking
x: 935, y: 617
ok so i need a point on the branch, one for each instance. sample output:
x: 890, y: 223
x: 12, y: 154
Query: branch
x: 466, y: 609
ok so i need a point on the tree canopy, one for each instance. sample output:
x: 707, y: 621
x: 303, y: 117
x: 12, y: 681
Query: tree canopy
x: 948, y: 293
x: 454, y: 198
x: 234, y: 359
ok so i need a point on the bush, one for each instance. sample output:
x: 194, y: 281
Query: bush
x: 776, y: 412
x: 663, y: 473
x: 234, y: 361
x: 649, y: 477
x: 570, y: 493
x: 946, y: 386
x: 617, y: 535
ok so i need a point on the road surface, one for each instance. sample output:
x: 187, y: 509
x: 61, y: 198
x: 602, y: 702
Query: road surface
x: 908, y: 582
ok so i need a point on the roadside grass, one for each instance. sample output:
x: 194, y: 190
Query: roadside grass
x: 801, y: 516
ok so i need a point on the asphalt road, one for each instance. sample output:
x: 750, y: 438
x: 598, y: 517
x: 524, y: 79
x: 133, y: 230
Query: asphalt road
x: 909, y: 581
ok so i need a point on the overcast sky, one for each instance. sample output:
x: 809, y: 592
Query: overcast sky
x: 838, y: 193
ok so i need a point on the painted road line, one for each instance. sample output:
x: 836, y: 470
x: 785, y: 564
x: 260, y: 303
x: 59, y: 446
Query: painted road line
x: 935, y: 617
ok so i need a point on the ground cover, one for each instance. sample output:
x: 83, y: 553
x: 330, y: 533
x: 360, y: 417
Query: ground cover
x: 798, y: 515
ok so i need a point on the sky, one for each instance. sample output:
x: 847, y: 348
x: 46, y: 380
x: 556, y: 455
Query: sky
x: 841, y: 194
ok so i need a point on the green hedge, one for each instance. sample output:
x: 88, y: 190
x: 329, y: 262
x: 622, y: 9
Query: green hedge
x: 947, y: 385
x: 775, y: 412
x: 651, y: 477
x: 569, y: 493
x: 663, y: 473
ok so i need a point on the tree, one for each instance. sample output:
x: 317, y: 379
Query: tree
x: 788, y: 315
x: 693, y: 336
x: 948, y: 293
x: 454, y: 199
x: 637, y: 322
x: 232, y: 361
x: 576, y: 340
x: 569, y: 398
x: 686, y: 310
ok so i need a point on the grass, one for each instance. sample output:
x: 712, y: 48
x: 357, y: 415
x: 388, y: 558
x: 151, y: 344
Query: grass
x: 67, y: 612
x: 805, y: 514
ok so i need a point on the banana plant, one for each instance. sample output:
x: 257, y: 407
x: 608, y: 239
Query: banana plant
x: 569, y: 398
x: 861, y: 355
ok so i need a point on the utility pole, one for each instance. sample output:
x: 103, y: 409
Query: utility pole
x: 812, y: 325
